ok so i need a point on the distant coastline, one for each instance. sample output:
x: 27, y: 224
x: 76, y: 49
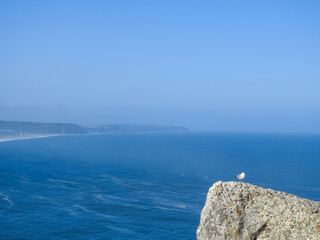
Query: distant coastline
x: 16, y: 130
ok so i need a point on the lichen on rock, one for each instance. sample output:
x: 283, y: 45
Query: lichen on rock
x: 241, y: 211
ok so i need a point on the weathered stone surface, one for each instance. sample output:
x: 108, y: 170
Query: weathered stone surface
x: 235, y: 210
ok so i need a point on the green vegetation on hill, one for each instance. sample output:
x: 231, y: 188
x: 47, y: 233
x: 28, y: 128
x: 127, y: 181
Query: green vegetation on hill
x: 16, y: 128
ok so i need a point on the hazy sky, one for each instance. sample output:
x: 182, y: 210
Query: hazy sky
x: 207, y: 65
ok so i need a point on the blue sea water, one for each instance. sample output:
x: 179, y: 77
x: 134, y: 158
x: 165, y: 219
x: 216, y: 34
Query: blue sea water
x: 150, y: 186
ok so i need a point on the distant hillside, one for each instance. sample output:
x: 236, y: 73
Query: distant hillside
x: 20, y: 129
x: 118, y: 128
x: 14, y: 128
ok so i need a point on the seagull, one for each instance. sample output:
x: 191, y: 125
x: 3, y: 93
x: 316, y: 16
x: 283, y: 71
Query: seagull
x: 241, y: 176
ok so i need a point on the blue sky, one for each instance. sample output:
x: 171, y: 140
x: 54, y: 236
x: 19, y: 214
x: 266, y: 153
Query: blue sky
x: 207, y: 65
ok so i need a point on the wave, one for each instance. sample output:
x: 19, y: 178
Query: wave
x: 6, y: 199
x: 85, y: 209
x: 24, y: 180
x: 60, y: 181
x: 121, y: 230
x: 165, y: 204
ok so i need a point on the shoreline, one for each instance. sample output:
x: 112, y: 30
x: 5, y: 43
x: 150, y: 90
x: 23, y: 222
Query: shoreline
x: 31, y: 136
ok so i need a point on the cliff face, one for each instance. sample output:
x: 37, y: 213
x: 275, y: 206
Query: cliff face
x: 235, y: 210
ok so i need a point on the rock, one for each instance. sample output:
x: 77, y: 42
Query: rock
x: 236, y: 210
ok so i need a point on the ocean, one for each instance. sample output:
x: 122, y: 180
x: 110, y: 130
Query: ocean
x: 143, y: 186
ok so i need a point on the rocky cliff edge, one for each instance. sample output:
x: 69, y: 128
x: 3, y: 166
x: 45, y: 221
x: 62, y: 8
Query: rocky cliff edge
x: 236, y: 210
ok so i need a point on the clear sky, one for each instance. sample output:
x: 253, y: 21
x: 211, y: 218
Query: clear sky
x: 206, y: 65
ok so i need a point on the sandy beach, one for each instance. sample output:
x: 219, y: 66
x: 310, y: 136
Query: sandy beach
x: 29, y: 136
